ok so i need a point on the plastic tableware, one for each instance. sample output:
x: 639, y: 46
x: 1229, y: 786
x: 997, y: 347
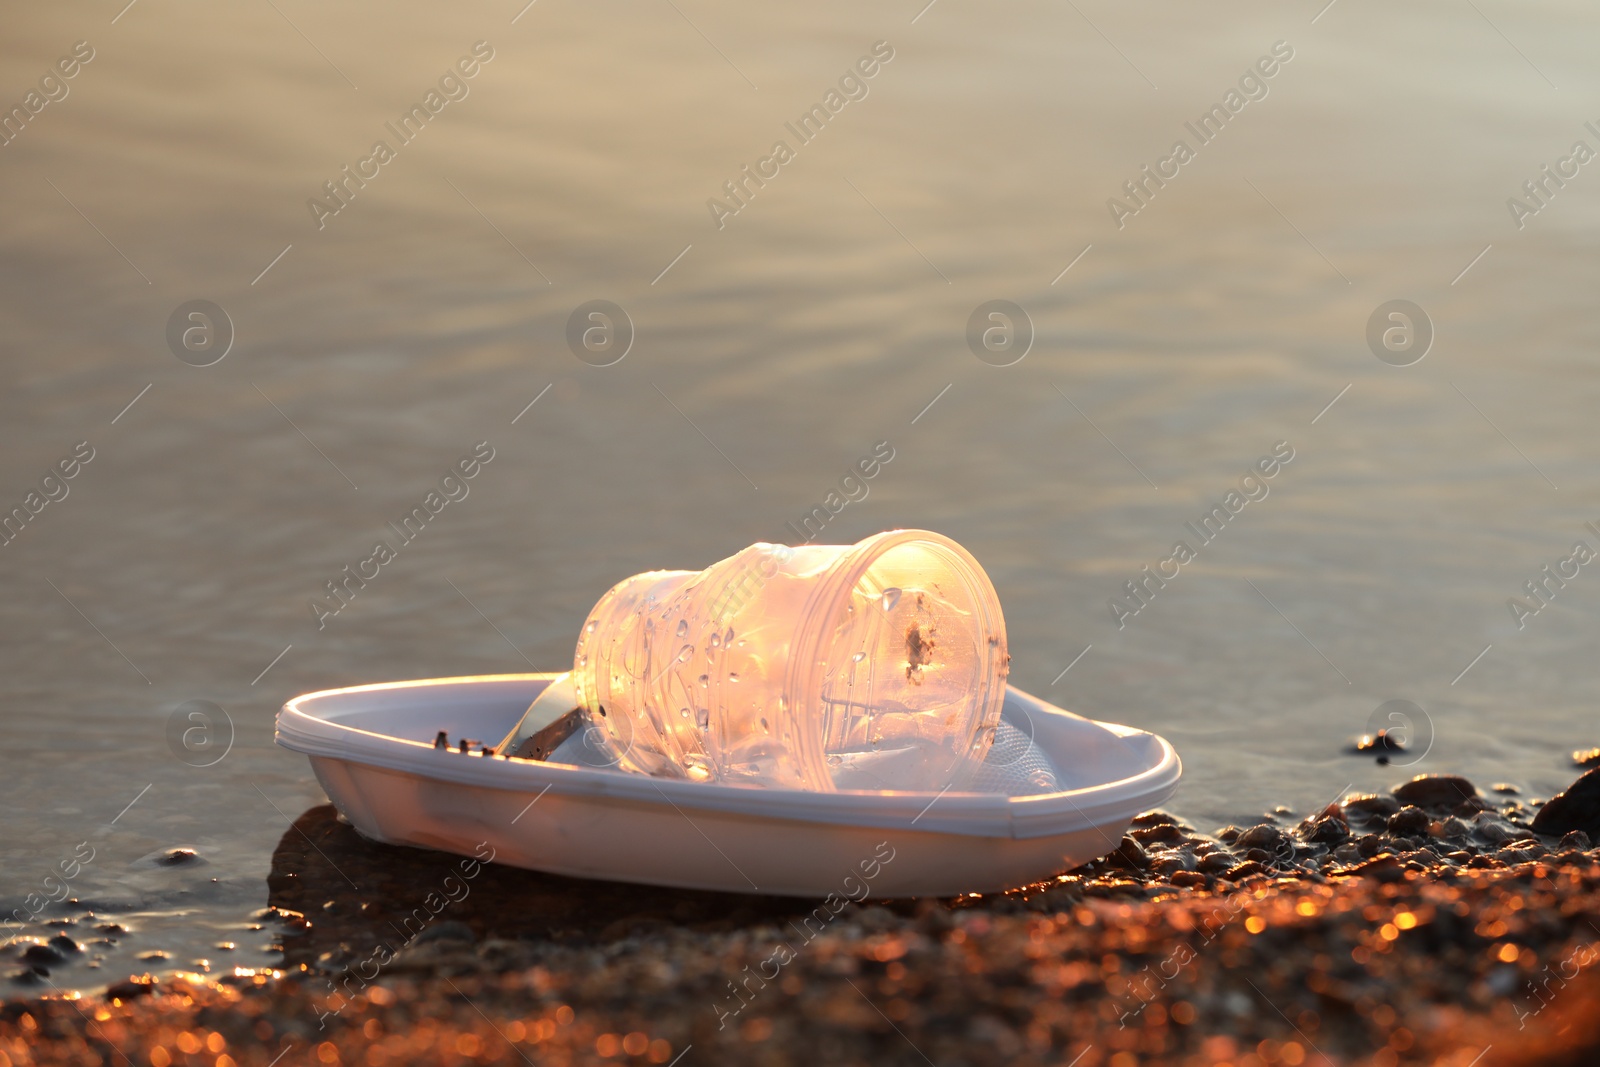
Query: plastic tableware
x: 372, y: 748
x: 878, y: 665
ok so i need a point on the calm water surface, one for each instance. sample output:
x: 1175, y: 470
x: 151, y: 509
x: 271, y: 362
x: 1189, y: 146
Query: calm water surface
x: 771, y: 353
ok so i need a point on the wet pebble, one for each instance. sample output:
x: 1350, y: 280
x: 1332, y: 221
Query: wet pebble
x: 1576, y: 808
x: 1385, y: 867
x: 1494, y: 829
x: 134, y: 986
x: 1154, y: 818
x: 42, y: 955
x: 1446, y: 791
x: 1381, y: 744
x: 109, y: 900
x: 1330, y: 829
x: 1370, y: 845
x: 1587, y: 757
x: 1169, y: 863
x: 1263, y: 836
x: 1409, y: 821
x: 1244, y: 870
x: 1372, y: 806
x: 1165, y: 832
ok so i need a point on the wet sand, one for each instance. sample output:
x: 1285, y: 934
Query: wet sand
x: 1430, y: 927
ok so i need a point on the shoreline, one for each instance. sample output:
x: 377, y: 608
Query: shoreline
x: 1373, y: 932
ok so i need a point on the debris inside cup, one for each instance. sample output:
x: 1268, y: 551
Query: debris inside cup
x: 868, y: 667
x: 546, y: 740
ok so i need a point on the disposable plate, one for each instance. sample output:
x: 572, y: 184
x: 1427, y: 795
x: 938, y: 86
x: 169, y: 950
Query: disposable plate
x: 372, y: 749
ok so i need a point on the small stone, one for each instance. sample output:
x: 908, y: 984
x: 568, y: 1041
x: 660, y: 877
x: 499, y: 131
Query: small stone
x: 1492, y: 828
x: 1154, y: 818
x: 135, y: 986
x: 1576, y: 808
x: 65, y: 944
x: 1228, y: 834
x: 1156, y: 834
x: 1372, y: 805
x: 1385, y: 868
x: 1454, y: 828
x: 1174, y: 860
x: 1060, y: 898
x: 178, y: 857
x: 1243, y: 871
x: 1587, y: 757
x: 1263, y: 835
x: 1130, y: 856
x: 1505, y: 788
x: 1189, y: 879
x: 1577, y: 839
x: 1327, y: 831
x: 1515, y: 853
x: 1435, y: 791
x: 1409, y: 821
x: 1370, y: 845
x: 42, y: 955
x: 1217, y: 862
x: 1381, y: 743
x: 1470, y: 807
x: 28, y: 977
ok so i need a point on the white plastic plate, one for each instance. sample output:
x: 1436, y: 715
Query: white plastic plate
x: 371, y: 747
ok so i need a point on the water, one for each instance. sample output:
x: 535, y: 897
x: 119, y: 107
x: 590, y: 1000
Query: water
x: 765, y: 360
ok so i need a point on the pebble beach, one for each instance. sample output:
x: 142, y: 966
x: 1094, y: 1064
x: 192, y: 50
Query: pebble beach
x: 1249, y: 348
x: 1435, y: 924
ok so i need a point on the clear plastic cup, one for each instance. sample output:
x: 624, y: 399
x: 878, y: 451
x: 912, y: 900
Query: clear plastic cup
x: 879, y: 665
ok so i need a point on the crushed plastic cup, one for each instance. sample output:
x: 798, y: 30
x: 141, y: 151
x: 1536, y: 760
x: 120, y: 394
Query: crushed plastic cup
x: 875, y: 666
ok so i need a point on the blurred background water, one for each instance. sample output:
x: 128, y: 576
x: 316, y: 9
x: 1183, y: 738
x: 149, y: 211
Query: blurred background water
x: 826, y: 316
